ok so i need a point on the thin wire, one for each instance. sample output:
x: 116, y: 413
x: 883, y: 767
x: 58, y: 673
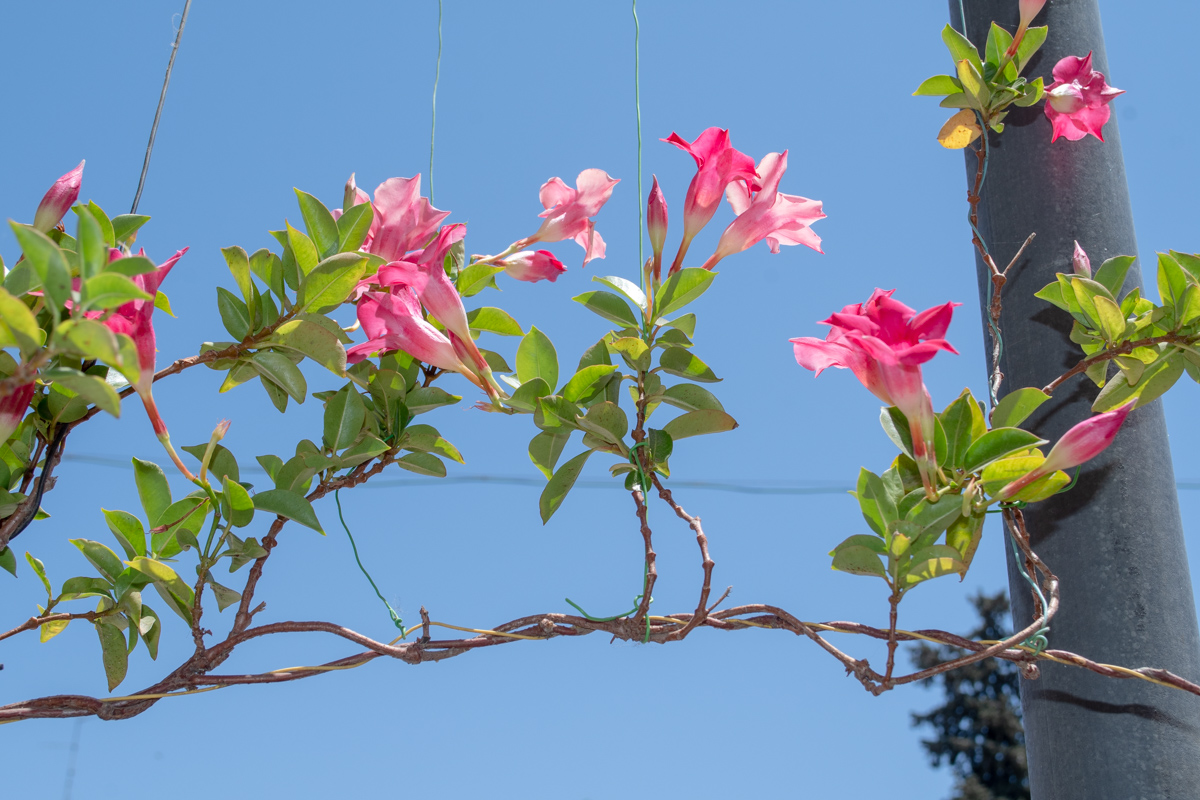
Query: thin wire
x: 69, y: 781
x: 399, y: 623
x: 637, y: 102
x: 437, y: 75
x: 162, y: 98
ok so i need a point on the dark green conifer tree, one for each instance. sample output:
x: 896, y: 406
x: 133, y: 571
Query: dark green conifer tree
x: 978, y: 731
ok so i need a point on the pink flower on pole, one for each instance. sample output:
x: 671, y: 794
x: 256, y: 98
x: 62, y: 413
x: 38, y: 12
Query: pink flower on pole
x: 884, y: 343
x: 1080, y: 262
x: 1082, y: 443
x: 12, y: 409
x: 392, y: 321
x: 1077, y: 101
x: 568, y: 211
x: 532, y: 266
x: 768, y: 214
x: 58, y: 200
x: 656, y: 223
x: 717, y: 166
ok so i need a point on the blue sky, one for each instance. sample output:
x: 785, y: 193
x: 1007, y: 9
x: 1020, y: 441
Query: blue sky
x: 267, y: 96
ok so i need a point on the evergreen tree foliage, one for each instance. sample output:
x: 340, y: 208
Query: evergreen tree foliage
x: 978, y: 730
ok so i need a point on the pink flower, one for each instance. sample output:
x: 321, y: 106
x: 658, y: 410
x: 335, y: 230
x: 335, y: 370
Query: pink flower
x: 656, y: 223
x: 58, y: 200
x: 1029, y: 9
x: 425, y: 275
x: 1077, y: 101
x: 1080, y: 262
x: 533, y: 266
x: 403, y: 221
x: 767, y: 214
x: 1082, y: 443
x: 568, y: 211
x: 12, y: 409
x: 717, y: 166
x: 392, y: 321
x: 884, y: 343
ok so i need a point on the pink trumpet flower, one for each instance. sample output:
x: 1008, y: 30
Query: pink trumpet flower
x: 884, y: 342
x: 403, y: 221
x: 1082, y: 443
x: 1080, y: 262
x: 392, y: 321
x: 135, y: 319
x: 1028, y: 9
x: 1077, y: 101
x: 569, y: 211
x: 717, y: 166
x: 13, y: 405
x: 767, y: 214
x: 58, y: 200
x: 656, y: 224
x: 532, y: 266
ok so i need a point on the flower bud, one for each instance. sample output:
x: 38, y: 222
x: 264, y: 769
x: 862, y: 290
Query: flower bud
x: 656, y: 222
x: 60, y: 197
x: 12, y: 409
x: 1081, y: 263
x: 533, y: 266
x: 1066, y: 98
x: 1029, y: 10
x: 350, y: 195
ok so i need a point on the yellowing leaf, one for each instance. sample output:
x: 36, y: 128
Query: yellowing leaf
x: 959, y: 131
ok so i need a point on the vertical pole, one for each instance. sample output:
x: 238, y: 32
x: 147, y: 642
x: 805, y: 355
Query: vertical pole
x: 1116, y: 539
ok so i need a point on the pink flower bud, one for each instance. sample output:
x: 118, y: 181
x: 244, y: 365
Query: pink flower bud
x: 1082, y: 443
x: 1081, y: 263
x: 656, y: 222
x: 533, y: 266
x: 1029, y: 10
x: 12, y: 409
x: 60, y: 197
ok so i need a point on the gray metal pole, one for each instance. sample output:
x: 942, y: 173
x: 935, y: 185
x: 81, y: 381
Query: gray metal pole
x: 1116, y: 539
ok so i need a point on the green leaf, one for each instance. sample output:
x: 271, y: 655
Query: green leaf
x: 1112, y: 272
x: 662, y: 444
x: 153, y: 490
x: 938, y: 85
x: 1112, y: 321
x: 680, y: 361
x: 426, y: 439
x: 1172, y: 281
x: 698, y: 423
x: 1015, y: 407
x: 609, y: 306
x: 494, y: 320
x: 423, y: 464
x: 1030, y: 43
x: 873, y: 543
x: 932, y: 562
x: 125, y: 225
x: 545, y: 448
x: 280, y: 370
x: 288, y: 504
x: 682, y: 288
x: 536, y: 358
x: 964, y: 535
x: 302, y: 250
x: 235, y: 315
x: 560, y: 484
x: 583, y: 384
x: 858, y: 559
x: 691, y: 398
x: 322, y: 229
x: 268, y: 267
x: 39, y: 569
x: 606, y: 420
x: 18, y: 325
x: 239, y: 267
x: 353, y: 226
x: 877, y: 506
x: 477, y: 277
x: 934, y: 517
x: 634, y: 351
x: 367, y: 448
x: 958, y: 420
x: 221, y: 463
x: 172, y: 587
x: 113, y: 653
x: 526, y: 396
x: 48, y: 262
x: 996, y: 444
x: 327, y: 285
x: 106, y: 227
x: 109, y: 290
x: 686, y: 323
x: 8, y: 561
x: 1053, y: 294
x: 241, y: 506
x: 313, y: 341
x: 129, y: 266
x: 424, y: 399
x: 960, y: 47
x: 998, y: 41
x: 92, y: 389
x: 91, y: 339
x: 625, y: 287
x: 1003, y: 472
x: 104, y: 560
x: 128, y: 531
x: 1155, y: 380
x: 972, y: 82
x: 89, y: 236
x: 344, y: 416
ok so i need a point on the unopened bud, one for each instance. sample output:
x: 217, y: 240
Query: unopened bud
x: 1081, y: 263
x: 656, y: 220
x: 60, y: 197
